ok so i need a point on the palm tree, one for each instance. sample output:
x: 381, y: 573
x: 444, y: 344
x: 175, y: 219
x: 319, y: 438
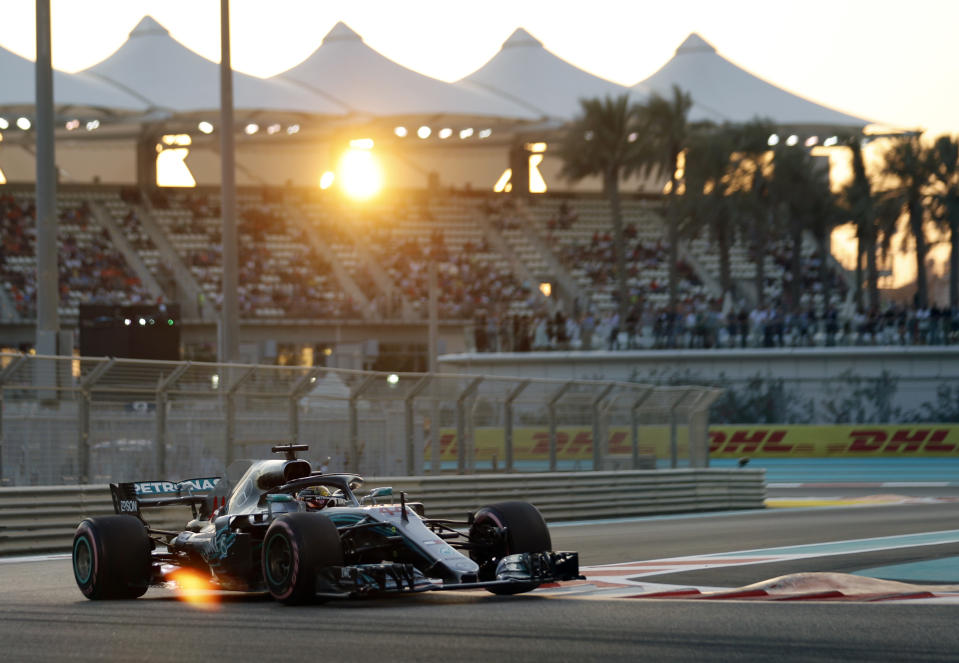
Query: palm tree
x: 708, y: 203
x: 800, y: 186
x: 907, y: 162
x: 668, y: 121
x: 752, y: 170
x: 611, y: 139
x: 860, y: 202
x: 944, y: 164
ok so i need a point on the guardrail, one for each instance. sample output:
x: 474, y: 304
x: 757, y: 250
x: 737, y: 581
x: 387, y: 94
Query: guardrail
x: 43, y: 519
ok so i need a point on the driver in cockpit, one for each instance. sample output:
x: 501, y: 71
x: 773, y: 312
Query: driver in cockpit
x: 315, y: 498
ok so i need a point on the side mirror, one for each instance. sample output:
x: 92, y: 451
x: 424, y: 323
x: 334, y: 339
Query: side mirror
x: 378, y: 492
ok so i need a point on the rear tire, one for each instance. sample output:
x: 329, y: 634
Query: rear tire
x: 507, y: 528
x: 296, y: 546
x: 111, y: 558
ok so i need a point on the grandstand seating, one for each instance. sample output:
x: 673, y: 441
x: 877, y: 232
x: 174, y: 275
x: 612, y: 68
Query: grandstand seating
x: 90, y: 267
x: 584, y: 244
x: 309, y: 255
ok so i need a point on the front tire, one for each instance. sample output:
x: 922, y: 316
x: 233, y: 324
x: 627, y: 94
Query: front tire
x: 296, y: 546
x: 111, y: 558
x: 507, y: 528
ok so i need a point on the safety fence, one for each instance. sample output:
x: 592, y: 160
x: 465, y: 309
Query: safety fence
x: 82, y: 420
x: 43, y: 519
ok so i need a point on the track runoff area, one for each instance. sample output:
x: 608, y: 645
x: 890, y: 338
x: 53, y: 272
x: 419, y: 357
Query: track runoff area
x: 873, y: 538
x: 821, y: 500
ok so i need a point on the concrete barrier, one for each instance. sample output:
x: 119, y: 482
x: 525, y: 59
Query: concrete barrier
x: 43, y: 519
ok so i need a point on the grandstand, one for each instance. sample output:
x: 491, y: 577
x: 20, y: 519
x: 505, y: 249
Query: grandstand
x: 310, y: 256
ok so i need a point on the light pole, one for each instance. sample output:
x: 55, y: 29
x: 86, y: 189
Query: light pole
x: 48, y: 317
x: 432, y: 350
x: 228, y: 343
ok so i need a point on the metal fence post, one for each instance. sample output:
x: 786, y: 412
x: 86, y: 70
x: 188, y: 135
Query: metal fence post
x: 634, y: 426
x: 699, y: 443
x: 353, y: 463
x: 83, y: 419
x: 599, y: 440
x: 4, y: 374
x: 411, y: 469
x: 673, y: 441
x: 464, y: 449
x: 551, y: 412
x: 230, y: 436
x: 161, y: 403
x: 508, y: 422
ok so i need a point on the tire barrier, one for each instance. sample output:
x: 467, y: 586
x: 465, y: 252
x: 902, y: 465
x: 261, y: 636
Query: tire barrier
x: 43, y: 519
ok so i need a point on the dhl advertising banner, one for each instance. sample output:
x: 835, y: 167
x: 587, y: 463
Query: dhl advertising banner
x: 572, y: 443
x: 847, y: 440
x: 734, y: 441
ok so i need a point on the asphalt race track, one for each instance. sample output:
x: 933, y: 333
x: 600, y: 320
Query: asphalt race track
x: 43, y: 617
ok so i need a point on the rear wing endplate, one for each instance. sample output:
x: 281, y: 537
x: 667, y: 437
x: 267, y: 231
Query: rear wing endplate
x: 130, y: 497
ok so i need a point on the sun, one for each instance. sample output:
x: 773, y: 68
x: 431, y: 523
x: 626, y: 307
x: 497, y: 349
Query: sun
x: 359, y: 174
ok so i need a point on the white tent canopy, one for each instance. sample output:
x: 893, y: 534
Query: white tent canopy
x: 525, y: 72
x: 357, y: 76
x: 73, y: 93
x: 723, y: 92
x: 168, y: 76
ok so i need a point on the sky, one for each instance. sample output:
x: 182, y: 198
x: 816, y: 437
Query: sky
x: 893, y: 62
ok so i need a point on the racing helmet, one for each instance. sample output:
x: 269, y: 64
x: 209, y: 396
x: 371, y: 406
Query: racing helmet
x: 315, y: 497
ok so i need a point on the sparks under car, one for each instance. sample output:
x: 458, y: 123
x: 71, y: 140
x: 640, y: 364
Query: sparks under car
x: 305, y: 536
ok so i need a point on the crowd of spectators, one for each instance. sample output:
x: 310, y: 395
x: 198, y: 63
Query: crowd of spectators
x: 280, y: 275
x: 705, y: 326
x: 466, y: 283
x: 90, y: 269
x: 278, y: 272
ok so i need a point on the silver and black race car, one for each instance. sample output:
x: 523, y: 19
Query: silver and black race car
x: 304, y: 536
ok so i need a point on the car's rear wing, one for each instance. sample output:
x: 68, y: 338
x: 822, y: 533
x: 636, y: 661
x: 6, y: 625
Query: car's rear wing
x: 202, y: 494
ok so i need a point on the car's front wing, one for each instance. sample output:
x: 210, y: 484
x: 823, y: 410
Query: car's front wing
x: 522, y: 568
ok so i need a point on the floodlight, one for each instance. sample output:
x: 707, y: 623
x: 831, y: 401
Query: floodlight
x: 424, y: 132
x: 466, y: 133
x: 23, y: 123
x: 205, y: 127
x: 445, y: 133
x: 773, y: 140
x: 400, y: 132
x: 251, y: 128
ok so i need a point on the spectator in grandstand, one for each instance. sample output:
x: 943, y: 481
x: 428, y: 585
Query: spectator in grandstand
x: 611, y: 323
x: 540, y: 333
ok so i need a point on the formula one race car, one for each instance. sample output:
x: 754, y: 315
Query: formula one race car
x: 303, y: 536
